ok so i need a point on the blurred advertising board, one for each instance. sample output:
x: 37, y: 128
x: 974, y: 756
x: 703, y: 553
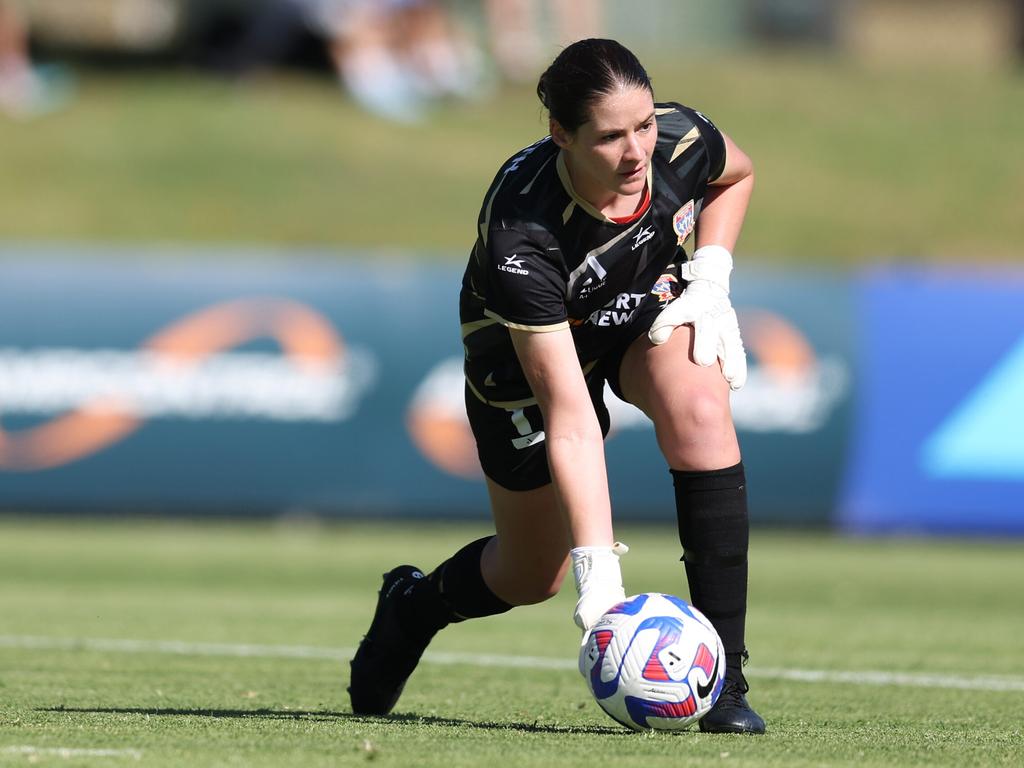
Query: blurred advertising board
x: 939, y: 443
x: 250, y: 383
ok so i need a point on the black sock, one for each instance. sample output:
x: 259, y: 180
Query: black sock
x: 734, y: 668
x: 714, y: 532
x: 461, y: 584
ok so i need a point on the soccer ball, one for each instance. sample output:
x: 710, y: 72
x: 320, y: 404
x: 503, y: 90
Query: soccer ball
x: 654, y: 662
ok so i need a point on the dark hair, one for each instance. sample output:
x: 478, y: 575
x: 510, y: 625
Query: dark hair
x: 584, y: 72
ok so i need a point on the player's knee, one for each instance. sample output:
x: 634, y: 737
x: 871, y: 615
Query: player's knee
x: 702, y: 413
x: 537, y: 587
x: 698, y: 428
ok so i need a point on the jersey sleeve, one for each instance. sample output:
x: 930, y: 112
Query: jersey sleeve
x: 526, y: 285
x: 713, y: 141
x: 674, y: 123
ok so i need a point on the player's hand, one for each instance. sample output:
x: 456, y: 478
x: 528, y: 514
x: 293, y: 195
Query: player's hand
x: 705, y: 305
x: 598, y: 582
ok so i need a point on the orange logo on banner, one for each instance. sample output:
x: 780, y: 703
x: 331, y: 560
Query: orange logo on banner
x: 445, y: 439
x: 437, y: 422
x: 779, y: 348
x: 305, y: 337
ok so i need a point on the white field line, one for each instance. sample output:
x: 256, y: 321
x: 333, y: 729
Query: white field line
x: 69, y: 752
x: 852, y: 677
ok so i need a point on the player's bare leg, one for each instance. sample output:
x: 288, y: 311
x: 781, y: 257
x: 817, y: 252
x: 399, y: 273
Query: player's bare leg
x: 528, y: 558
x: 689, y: 405
x: 523, y: 563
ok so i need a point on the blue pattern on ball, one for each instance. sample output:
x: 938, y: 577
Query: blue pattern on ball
x: 681, y: 604
x: 629, y: 607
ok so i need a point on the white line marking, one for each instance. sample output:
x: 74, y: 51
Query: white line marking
x: 852, y: 677
x: 68, y: 752
x: 911, y: 679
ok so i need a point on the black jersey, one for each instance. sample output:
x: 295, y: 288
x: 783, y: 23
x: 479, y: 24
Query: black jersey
x: 545, y: 259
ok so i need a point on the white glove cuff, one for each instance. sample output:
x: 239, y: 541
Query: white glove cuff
x: 712, y: 263
x: 597, y: 567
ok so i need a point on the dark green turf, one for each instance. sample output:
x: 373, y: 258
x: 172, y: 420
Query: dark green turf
x: 817, y: 603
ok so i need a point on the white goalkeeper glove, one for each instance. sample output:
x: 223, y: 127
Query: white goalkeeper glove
x: 598, y: 582
x: 705, y: 305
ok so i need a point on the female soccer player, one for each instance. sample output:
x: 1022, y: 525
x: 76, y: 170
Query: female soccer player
x: 603, y: 254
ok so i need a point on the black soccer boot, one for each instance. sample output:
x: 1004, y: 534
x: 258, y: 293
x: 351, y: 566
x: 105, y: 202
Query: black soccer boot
x: 409, y: 613
x: 732, y: 713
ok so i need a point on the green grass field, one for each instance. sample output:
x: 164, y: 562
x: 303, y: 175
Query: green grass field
x: 853, y: 164
x: 176, y: 643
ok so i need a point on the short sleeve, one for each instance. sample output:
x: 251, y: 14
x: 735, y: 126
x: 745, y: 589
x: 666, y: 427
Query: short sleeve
x: 526, y: 284
x: 713, y: 141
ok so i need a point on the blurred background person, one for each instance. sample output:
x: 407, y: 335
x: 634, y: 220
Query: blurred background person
x: 395, y: 58
x: 25, y: 90
x: 516, y: 30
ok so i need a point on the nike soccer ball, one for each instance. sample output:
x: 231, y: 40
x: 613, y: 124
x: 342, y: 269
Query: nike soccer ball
x: 654, y: 662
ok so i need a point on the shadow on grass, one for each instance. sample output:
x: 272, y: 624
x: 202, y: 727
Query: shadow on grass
x: 323, y: 715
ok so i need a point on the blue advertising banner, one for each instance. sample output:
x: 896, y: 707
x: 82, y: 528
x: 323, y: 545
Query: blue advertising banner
x: 939, y: 444
x: 297, y: 381
x: 242, y: 386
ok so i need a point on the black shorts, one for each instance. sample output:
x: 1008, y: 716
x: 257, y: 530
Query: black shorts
x: 511, y: 442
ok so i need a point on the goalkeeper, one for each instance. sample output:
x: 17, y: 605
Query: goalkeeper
x: 603, y: 254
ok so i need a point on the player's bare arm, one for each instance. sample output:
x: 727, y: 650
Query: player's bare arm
x: 726, y: 200
x: 574, y: 439
x: 576, y: 458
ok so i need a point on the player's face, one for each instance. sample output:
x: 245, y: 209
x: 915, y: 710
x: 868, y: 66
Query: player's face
x: 608, y: 155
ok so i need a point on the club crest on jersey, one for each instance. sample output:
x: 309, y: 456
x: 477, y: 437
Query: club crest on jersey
x: 666, y: 289
x: 683, y: 221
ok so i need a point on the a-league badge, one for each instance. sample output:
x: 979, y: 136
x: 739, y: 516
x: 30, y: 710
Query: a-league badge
x: 682, y: 221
